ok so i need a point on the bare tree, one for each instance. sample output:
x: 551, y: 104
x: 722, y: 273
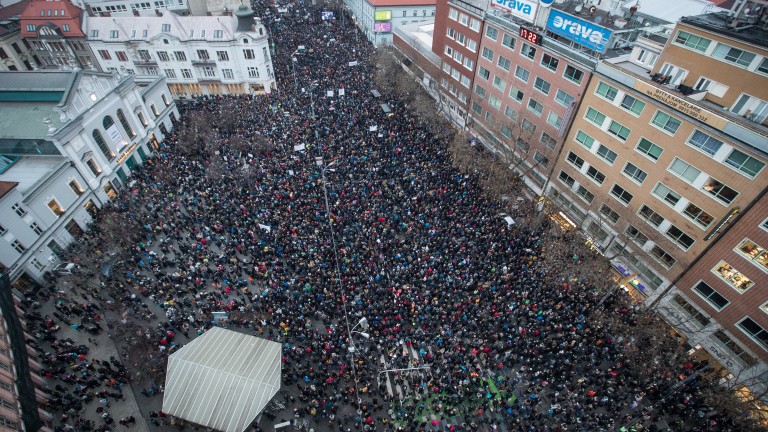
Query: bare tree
x: 196, y: 134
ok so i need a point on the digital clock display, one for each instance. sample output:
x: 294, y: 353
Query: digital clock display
x: 530, y: 36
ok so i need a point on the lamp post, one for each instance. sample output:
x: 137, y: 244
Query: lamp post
x: 363, y: 323
x: 299, y: 50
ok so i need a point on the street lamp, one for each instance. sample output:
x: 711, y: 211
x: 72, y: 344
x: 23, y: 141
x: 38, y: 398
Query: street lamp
x: 299, y: 50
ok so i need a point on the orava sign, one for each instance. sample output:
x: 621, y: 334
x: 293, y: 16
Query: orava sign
x: 582, y: 32
x: 524, y: 9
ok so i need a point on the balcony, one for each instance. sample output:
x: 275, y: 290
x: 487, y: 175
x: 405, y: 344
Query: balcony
x: 199, y: 61
x: 145, y: 62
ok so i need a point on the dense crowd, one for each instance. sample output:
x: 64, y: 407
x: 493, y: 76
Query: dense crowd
x: 410, y: 248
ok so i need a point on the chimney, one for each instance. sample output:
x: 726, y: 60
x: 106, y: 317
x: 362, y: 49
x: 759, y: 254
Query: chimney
x: 158, y: 13
x: 135, y: 12
x: 89, y: 10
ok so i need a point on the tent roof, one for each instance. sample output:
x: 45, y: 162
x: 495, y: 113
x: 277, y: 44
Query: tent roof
x: 222, y: 379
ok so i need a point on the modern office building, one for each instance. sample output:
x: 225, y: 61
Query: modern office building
x: 378, y: 18
x: 53, y: 29
x: 15, y: 51
x: 197, y: 55
x: 70, y: 142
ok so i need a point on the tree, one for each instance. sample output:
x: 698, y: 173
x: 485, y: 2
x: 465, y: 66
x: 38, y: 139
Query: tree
x: 196, y: 134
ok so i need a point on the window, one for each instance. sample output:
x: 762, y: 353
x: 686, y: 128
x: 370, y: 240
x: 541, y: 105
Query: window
x: 18, y: 209
x: 634, y: 173
x: 540, y: 159
x: 465, y: 81
x: 522, y: 145
x: 584, y: 139
x: 480, y: 91
x: 692, y: 41
x: 508, y: 41
x: 548, y: 141
x: 453, y: 14
x: 459, y: 57
x: 585, y: 194
x: 636, y: 235
x: 732, y: 346
x: 170, y: 73
x: 595, y: 175
x: 488, y: 53
x: 528, y: 126
x: 506, y: 131
x: 32, y: 27
x: 504, y: 63
x: 494, y: 102
x: 55, y: 207
x: 666, y: 194
x: 124, y: 122
x: 186, y: 73
x: 691, y: 311
x: 499, y: 83
x: 66, y: 28
x: 473, y: 23
x: 575, y: 160
x: 165, y: 99
x: 528, y: 51
x: 744, y: 163
x: 694, y: 213
x: 720, y: 191
x: 554, y: 119
x: 549, y: 62
x: 563, y: 98
x: 76, y: 187
x: 105, y: 55
x: 732, y: 55
x: 619, y: 130
x: 763, y: 66
x: 94, y: 33
x: 566, y: 179
x: 484, y: 73
x: 607, y: 91
x: 218, y: 34
x: 704, y: 142
x: 222, y: 55
x: 93, y: 167
x: 607, y: 154
x: 732, y: 277
x: 542, y: 85
x: 666, y: 122
x: 662, y: 256
x: 472, y: 45
x: 469, y: 63
x: 144, y: 55
x: 451, y: 33
x: 680, y: 237
x: 621, y: 194
x: 121, y: 56
x: 163, y: 56
x: 753, y: 252
x: 609, y: 213
x: 684, y: 170
x: 102, y: 144
x: 755, y: 331
x: 20, y: 248
x: 522, y: 73
x: 39, y: 267
x: 36, y: 228
x: 113, y: 34
x: 509, y: 112
x: 516, y: 94
x: 166, y: 27
x: 709, y: 294
x: 649, y: 149
x: 477, y: 108
x: 180, y: 55
x: 595, y: 116
x: 492, y: 33
x: 632, y: 105
x: 463, y: 19
x: 535, y: 106
x: 650, y: 216
x: 573, y: 74
x: 227, y: 73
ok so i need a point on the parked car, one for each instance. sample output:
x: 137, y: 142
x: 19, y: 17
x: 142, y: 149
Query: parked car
x: 65, y: 268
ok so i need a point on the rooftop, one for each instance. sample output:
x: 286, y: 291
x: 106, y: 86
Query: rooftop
x: 6, y: 186
x: 670, y: 12
x: 380, y: 3
x: 28, y: 171
x: 721, y: 23
x: 9, y: 17
x: 26, y: 120
x: 131, y: 27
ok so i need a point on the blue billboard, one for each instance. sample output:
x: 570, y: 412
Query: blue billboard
x: 582, y: 32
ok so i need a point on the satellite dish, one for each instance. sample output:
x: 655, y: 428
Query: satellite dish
x: 578, y: 8
x: 592, y: 9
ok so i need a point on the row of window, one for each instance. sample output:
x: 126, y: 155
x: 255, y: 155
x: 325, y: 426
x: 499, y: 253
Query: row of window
x: 723, y: 52
x: 463, y: 19
x: 114, y: 34
x: 570, y: 73
x: 462, y: 39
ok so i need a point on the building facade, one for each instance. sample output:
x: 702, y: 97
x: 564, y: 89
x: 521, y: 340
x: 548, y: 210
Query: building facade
x: 378, y: 18
x: 53, y: 28
x: 15, y: 52
x: 197, y: 55
x: 71, y: 144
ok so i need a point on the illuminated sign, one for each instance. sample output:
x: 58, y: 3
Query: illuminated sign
x: 582, y: 32
x: 530, y: 36
x: 382, y: 26
x: 383, y: 15
x: 125, y: 155
x: 523, y: 9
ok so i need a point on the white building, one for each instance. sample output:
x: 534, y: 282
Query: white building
x: 377, y: 19
x: 69, y: 143
x: 198, y: 55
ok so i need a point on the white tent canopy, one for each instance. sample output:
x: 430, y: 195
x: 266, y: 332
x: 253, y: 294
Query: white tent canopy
x: 222, y: 379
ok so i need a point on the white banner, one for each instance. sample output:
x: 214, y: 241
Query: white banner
x: 299, y: 147
x: 266, y: 228
x: 116, y: 138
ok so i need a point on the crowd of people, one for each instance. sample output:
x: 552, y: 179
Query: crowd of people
x: 408, y: 252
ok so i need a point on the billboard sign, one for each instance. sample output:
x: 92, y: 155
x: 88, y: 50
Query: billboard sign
x: 382, y: 15
x: 582, y: 32
x: 382, y: 26
x: 523, y: 9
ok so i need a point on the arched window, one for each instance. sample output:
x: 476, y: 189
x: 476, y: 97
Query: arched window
x: 124, y: 122
x: 108, y: 122
x: 102, y: 144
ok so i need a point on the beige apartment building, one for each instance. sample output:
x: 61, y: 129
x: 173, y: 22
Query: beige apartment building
x: 656, y: 163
